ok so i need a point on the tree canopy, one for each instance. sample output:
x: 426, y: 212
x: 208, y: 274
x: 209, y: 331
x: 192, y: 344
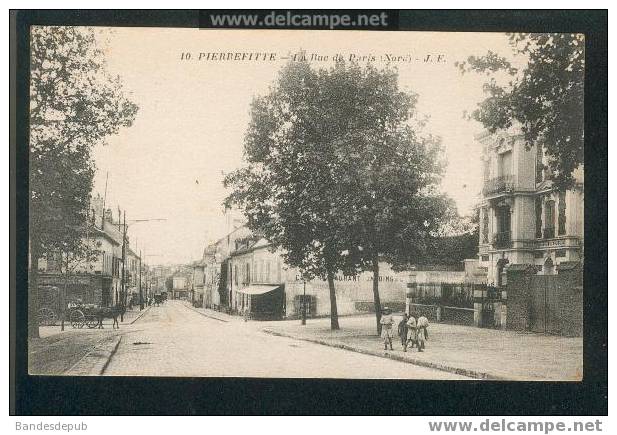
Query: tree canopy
x: 339, y: 170
x: 546, y: 97
x: 74, y: 104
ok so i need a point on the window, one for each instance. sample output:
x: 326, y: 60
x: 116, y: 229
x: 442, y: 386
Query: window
x: 561, y: 220
x: 505, y: 164
x: 560, y: 253
x: 503, y: 236
x: 485, y: 258
x: 549, y: 219
x: 487, y: 172
x: 538, y: 218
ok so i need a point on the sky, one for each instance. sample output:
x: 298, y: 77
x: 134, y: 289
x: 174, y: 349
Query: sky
x: 193, y: 114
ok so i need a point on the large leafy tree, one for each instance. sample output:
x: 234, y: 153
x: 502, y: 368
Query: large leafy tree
x: 339, y: 172
x: 545, y: 97
x: 74, y: 105
x: 389, y: 176
x: 289, y: 190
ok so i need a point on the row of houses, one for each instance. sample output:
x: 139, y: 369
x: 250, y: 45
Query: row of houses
x: 243, y: 273
x: 525, y: 223
x: 96, y: 276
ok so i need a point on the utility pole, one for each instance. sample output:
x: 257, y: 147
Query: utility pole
x: 141, y: 295
x: 123, y: 282
x: 104, y: 201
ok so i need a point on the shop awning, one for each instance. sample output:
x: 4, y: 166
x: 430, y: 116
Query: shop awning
x: 258, y: 289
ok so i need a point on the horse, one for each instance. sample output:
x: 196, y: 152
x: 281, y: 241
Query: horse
x: 110, y: 313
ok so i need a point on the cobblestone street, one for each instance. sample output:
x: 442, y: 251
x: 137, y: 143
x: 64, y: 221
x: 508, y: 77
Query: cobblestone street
x: 174, y: 340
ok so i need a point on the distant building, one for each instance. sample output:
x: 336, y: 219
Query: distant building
x: 259, y: 281
x: 198, y: 296
x: 524, y: 219
x: 179, y: 287
x: 95, y: 278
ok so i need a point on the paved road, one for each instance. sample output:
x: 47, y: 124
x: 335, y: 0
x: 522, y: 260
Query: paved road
x: 173, y: 340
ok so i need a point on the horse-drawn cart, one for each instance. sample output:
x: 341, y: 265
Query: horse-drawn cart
x: 83, y: 314
x: 77, y: 313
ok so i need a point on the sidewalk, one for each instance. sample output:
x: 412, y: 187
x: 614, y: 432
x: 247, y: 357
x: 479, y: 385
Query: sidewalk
x: 216, y: 315
x: 56, y: 351
x: 470, y: 351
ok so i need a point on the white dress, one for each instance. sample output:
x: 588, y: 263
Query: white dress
x: 386, y: 326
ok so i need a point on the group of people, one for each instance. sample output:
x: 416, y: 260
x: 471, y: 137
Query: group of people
x: 412, y: 330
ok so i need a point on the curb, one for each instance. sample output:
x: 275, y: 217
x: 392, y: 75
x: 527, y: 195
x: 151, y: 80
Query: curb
x: 206, y: 315
x: 95, y: 362
x: 142, y: 312
x: 445, y: 368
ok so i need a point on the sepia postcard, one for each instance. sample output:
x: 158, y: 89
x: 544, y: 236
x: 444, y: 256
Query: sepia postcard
x: 306, y: 204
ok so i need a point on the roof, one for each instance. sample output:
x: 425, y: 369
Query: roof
x: 104, y: 234
x: 252, y: 247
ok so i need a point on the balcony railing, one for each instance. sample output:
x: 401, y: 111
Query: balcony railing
x: 502, y: 240
x: 501, y: 184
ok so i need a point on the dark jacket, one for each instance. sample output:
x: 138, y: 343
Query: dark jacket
x: 402, y: 328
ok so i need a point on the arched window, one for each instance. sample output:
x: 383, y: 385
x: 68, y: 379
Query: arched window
x: 549, y: 219
x: 561, y: 218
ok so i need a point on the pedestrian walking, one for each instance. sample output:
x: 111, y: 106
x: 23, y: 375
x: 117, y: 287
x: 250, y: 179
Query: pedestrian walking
x: 412, y: 332
x: 386, y: 327
x: 402, y: 331
x: 422, y: 329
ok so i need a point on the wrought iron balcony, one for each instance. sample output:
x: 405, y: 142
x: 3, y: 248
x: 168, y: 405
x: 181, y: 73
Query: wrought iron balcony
x: 501, y: 184
x: 502, y: 240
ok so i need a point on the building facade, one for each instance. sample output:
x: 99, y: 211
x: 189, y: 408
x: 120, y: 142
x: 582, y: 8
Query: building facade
x: 524, y: 219
x: 261, y: 283
x: 198, y: 296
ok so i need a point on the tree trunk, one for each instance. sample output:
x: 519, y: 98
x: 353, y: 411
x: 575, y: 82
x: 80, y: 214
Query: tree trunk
x: 333, y: 310
x: 33, y: 291
x: 376, y: 292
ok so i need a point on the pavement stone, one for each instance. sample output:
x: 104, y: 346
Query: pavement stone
x: 476, y: 352
x: 96, y: 361
x: 175, y: 340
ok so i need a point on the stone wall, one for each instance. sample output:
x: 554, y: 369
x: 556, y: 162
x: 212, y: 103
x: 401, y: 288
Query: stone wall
x: 457, y: 316
x: 431, y: 312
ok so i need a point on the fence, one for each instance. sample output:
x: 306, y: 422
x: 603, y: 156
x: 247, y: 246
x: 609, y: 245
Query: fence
x: 444, y: 302
x: 444, y: 294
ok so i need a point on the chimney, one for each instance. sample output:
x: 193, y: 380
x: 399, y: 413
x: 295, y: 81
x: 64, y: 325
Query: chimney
x: 96, y: 205
x: 109, y: 217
